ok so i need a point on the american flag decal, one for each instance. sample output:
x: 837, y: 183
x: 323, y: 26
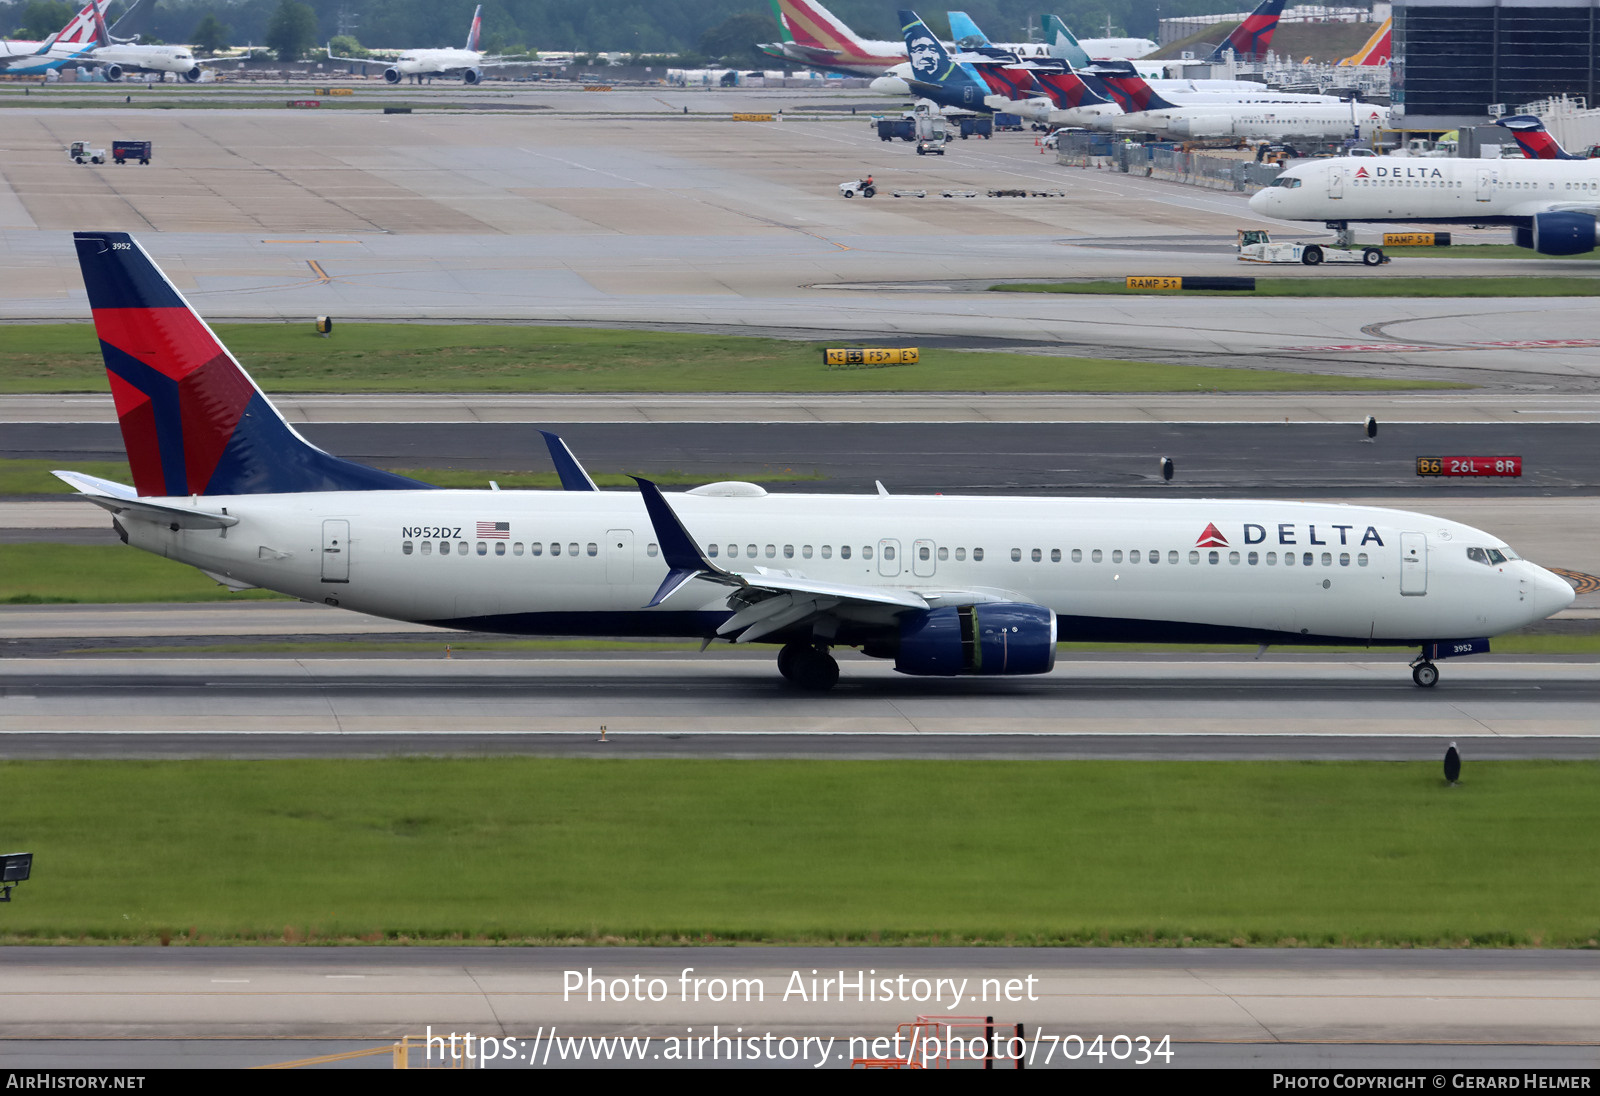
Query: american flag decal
x: 494, y: 530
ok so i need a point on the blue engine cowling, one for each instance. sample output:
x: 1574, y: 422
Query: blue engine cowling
x: 1003, y: 638
x: 392, y: 76
x: 472, y: 76
x: 1563, y: 233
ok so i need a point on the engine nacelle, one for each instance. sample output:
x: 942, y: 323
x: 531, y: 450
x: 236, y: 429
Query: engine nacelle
x: 1522, y: 237
x: 991, y: 639
x: 113, y: 73
x: 1563, y: 233
x: 472, y: 76
x: 1201, y: 125
x: 392, y: 75
x: 193, y: 75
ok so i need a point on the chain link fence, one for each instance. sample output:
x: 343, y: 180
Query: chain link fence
x: 1106, y: 152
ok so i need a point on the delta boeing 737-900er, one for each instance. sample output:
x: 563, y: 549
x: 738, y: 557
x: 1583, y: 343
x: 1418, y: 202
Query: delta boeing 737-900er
x: 942, y: 585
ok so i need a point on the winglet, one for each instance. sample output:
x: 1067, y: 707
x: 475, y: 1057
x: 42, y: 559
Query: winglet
x: 573, y: 476
x: 684, y: 559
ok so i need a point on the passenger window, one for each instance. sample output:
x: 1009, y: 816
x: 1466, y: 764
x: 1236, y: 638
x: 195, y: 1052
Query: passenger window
x: 555, y: 547
x: 1077, y: 555
x: 1233, y: 557
x: 651, y: 550
x: 1116, y: 556
x: 483, y: 549
x: 844, y: 551
x: 1361, y: 560
x: 1212, y: 556
x: 444, y: 547
x: 1288, y: 559
x: 405, y: 548
x: 1194, y: 557
x: 516, y: 548
x: 461, y: 547
x: 866, y: 551
x: 572, y: 549
x: 1172, y: 555
x: 772, y: 551
x: 1272, y: 559
x: 1096, y: 556
x: 711, y: 551
x: 1038, y: 555
x: 805, y: 551
x: 1133, y: 556
x: 888, y: 551
x: 924, y: 554
x: 961, y: 554
x: 977, y: 555
x: 1055, y: 555
x: 750, y: 551
x: 944, y: 553
x: 1344, y: 559
x: 1327, y: 559
x: 827, y: 551
x: 1016, y: 555
x: 1253, y: 558
x: 499, y: 547
x: 1307, y: 558
x: 427, y: 547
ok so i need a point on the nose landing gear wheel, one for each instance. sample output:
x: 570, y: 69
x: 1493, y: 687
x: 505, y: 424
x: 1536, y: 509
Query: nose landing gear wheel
x: 1425, y: 674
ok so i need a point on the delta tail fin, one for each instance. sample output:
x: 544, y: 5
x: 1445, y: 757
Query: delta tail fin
x: 1124, y: 86
x: 1252, y: 38
x: 1537, y: 143
x: 193, y: 422
x: 475, y: 31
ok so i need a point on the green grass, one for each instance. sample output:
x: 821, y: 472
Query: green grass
x: 1362, y: 285
x: 34, y: 574
x: 32, y: 477
x: 702, y: 851
x: 1483, y: 251
x: 487, y: 358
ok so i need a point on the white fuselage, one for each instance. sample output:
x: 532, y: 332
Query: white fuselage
x: 1384, y: 188
x: 179, y: 59
x: 424, y: 62
x: 586, y: 562
x: 1270, y: 116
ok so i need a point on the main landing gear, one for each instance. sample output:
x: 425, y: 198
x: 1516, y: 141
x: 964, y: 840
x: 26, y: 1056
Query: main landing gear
x: 1424, y: 673
x: 808, y: 666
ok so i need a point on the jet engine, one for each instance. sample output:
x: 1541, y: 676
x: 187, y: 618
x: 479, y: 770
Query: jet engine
x: 392, y: 75
x: 1562, y: 233
x: 193, y: 75
x: 113, y: 73
x: 472, y: 76
x: 990, y: 639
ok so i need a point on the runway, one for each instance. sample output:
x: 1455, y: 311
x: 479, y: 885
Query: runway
x: 1285, y: 1008
x: 1290, y: 707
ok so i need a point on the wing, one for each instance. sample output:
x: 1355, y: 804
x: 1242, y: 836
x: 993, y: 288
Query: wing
x: 764, y: 601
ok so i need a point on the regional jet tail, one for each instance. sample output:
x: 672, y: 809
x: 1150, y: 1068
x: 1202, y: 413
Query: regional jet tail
x: 1536, y: 142
x: 1252, y: 38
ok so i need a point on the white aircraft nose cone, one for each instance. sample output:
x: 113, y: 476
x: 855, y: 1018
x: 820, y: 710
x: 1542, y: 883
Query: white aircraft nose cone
x: 889, y: 85
x: 1261, y: 201
x: 1551, y: 593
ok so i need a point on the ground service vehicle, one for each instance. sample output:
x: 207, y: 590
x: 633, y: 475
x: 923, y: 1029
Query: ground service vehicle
x: 1255, y: 246
x: 890, y: 128
x: 130, y: 150
x: 79, y: 152
x: 863, y: 187
x: 977, y: 127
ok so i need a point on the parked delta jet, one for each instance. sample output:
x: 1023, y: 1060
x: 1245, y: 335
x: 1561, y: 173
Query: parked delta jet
x: 468, y: 61
x: 1257, y: 114
x: 1252, y: 38
x: 1550, y: 204
x: 1535, y: 141
x: 943, y: 585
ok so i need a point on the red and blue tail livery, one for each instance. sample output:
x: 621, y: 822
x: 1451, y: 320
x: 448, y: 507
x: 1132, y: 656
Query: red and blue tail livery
x: 1252, y: 38
x: 1536, y: 142
x: 193, y: 421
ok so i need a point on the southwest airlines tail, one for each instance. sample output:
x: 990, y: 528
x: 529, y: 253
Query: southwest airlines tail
x: 1377, y: 49
x: 1252, y: 38
x: 193, y: 422
x: 474, y: 32
x: 1535, y: 141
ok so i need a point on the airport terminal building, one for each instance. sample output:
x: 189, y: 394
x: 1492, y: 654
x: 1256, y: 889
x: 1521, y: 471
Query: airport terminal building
x: 1454, y: 58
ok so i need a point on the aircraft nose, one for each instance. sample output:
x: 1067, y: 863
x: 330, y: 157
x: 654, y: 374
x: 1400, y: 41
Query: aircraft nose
x: 1261, y: 200
x: 889, y: 85
x: 1551, y: 593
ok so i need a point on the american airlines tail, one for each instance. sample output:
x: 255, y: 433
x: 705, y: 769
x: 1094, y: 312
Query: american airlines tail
x: 1377, y: 49
x: 1535, y: 141
x: 1252, y: 38
x: 193, y: 422
x: 475, y: 31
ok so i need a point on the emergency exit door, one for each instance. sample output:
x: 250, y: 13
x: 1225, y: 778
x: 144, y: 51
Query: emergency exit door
x: 1413, y: 564
x: 335, y: 550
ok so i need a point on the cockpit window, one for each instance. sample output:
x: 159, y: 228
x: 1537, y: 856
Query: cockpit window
x: 1496, y: 556
x: 1509, y: 554
x: 1478, y: 555
x: 1287, y: 184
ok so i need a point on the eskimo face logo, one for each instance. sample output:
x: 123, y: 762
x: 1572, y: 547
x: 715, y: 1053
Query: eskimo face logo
x: 924, y: 53
x: 1211, y: 538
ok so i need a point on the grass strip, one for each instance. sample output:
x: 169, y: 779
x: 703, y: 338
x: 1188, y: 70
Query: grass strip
x: 1355, y: 285
x: 530, y: 358
x: 1482, y: 251
x: 706, y: 851
x: 47, y: 574
x: 23, y: 476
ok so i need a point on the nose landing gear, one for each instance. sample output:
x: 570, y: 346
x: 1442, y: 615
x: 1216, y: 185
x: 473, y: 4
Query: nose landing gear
x: 808, y: 666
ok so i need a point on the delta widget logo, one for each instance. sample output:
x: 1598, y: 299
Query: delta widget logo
x: 1211, y: 538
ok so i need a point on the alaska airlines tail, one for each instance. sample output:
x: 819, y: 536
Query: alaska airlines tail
x: 1252, y: 38
x: 1377, y: 49
x: 193, y: 422
x: 1062, y: 43
x: 1125, y: 87
x: 1535, y: 141
x: 474, y: 32
x: 934, y: 73
x: 965, y: 33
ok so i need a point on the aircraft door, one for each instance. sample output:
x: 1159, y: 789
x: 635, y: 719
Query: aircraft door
x: 619, y: 556
x: 923, y: 559
x: 1336, y: 182
x: 335, y: 550
x: 1485, y: 185
x: 888, y: 558
x: 1413, y: 564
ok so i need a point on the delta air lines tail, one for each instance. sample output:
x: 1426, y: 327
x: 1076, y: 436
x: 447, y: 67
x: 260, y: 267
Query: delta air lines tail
x: 1536, y: 142
x: 193, y: 421
x: 1252, y: 38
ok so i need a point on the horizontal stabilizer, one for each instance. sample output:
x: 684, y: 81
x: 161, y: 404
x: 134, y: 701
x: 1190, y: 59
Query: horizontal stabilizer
x: 120, y: 499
